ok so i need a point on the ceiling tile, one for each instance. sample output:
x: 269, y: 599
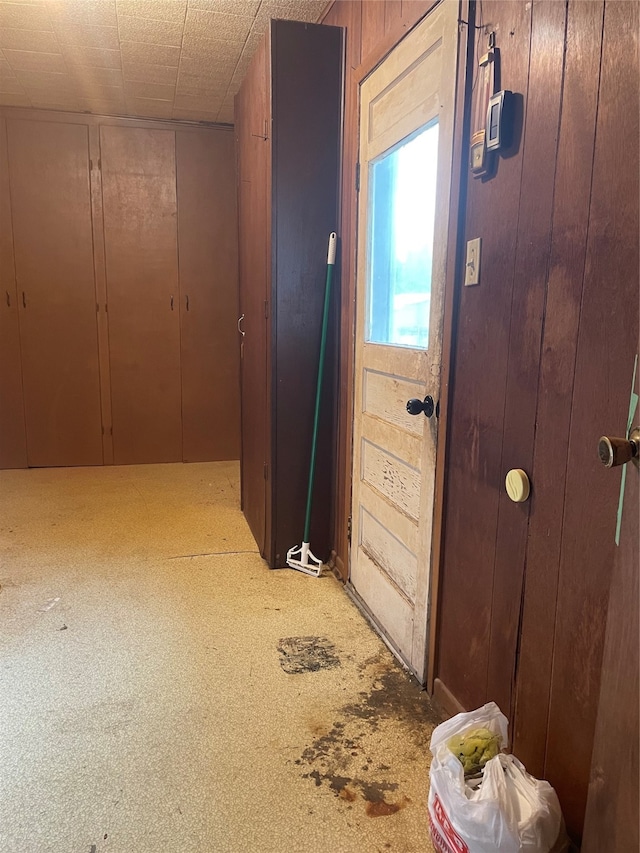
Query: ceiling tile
x: 150, y: 108
x: 94, y: 57
x: 113, y: 94
x: 46, y: 81
x: 5, y: 69
x: 10, y: 100
x: 203, y: 101
x: 83, y: 12
x: 160, y: 10
x: 212, y: 70
x: 217, y: 26
x: 157, y: 91
x: 296, y: 10
x: 24, y: 17
x: 150, y: 54
x: 86, y: 36
x: 226, y: 114
x: 150, y: 32
x: 95, y: 77
x: 192, y: 84
x: 194, y: 115
x: 42, y: 40
x: 67, y: 104
x: 199, y: 47
x: 27, y: 60
x: 104, y: 107
x: 248, y: 8
x: 180, y: 58
x: 11, y: 86
x: 147, y: 73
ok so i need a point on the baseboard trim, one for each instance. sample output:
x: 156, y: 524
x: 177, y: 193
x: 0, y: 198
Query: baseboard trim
x: 446, y: 702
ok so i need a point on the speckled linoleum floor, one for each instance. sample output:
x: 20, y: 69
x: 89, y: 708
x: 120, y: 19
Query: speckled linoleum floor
x: 162, y: 691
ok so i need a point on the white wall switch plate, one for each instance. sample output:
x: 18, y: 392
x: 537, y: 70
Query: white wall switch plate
x: 472, y: 263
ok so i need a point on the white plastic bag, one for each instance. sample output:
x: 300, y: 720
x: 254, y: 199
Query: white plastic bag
x: 509, y: 812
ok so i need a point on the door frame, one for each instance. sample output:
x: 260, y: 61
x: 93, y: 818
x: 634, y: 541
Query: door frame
x: 453, y: 271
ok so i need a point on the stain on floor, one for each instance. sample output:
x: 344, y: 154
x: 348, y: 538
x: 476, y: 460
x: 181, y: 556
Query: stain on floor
x: 307, y: 654
x: 353, y: 755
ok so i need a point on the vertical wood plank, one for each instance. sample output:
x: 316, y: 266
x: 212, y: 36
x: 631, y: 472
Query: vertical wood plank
x: 413, y: 10
x: 208, y: 267
x: 139, y: 197
x: 612, y: 819
x: 254, y: 157
x: 97, y: 222
x: 564, y: 294
x: 607, y: 345
x: 392, y: 14
x: 373, y: 32
x: 476, y: 410
x: 13, y: 440
x: 455, y: 266
x: 57, y: 300
x: 306, y: 113
x: 346, y: 258
x: 526, y: 313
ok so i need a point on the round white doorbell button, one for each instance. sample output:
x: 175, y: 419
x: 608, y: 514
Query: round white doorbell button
x: 518, y: 485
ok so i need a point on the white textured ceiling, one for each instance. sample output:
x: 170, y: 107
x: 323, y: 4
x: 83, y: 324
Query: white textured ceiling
x: 170, y: 59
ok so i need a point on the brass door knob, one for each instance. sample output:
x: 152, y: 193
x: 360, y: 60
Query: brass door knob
x: 614, y: 451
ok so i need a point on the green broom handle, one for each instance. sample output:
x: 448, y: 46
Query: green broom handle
x: 331, y: 260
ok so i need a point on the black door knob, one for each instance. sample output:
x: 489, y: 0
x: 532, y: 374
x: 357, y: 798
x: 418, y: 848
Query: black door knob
x: 415, y: 406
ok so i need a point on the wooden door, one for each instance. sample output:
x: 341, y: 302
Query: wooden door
x: 13, y: 441
x: 612, y: 816
x: 254, y: 186
x: 210, y: 351
x: 143, y: 300
x: 51, y: 206
x: 406, y: 136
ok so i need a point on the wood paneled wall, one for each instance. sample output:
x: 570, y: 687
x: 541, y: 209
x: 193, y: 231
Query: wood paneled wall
x: 542, y: 361
x: 118, y: 260
x: 544, y: 354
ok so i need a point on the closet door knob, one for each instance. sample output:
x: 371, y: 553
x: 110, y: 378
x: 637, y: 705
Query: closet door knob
x: 240, y: 319
x: 617, y: 451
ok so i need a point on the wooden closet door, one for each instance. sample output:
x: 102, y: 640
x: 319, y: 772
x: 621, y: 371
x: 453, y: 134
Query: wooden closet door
x: 254, y: 158
x: 13, y: 444
x: 140, y: 229
x: 210, y: 352
x: 51, y: 203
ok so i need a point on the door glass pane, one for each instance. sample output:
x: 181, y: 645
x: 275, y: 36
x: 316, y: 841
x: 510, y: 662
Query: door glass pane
x: 402, y: 204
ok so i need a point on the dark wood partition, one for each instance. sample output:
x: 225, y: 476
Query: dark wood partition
x: 288, y: 127
x: 51, y: 215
